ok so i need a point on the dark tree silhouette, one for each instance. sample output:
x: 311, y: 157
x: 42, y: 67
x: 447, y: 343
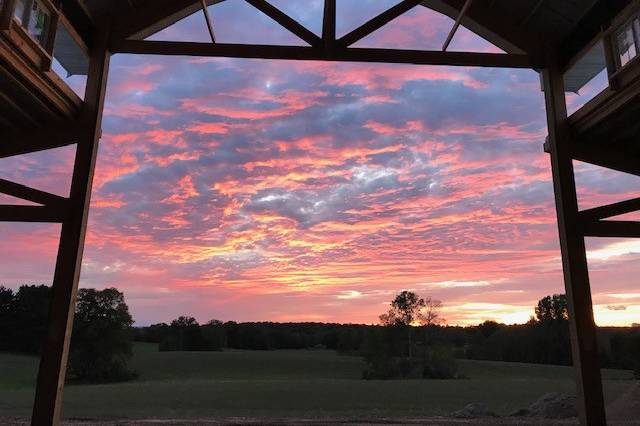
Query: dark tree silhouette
x: 214, y: 336
x: 430, y: 317
x: 6, y: 306
x: 25, y: 322
x: 184, y: 334
x: 552, y: 308
x: 101, y: 342
x: 380, y: 348
x: 405, y: 312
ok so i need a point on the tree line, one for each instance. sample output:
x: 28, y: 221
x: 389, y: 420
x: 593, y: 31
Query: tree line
x: 411, y: 340
x: 101, y: 342
x: 411, y: 330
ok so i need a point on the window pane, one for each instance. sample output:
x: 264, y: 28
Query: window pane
x: 626, y: 44
x: 39, y: 22
x: 18, y: 12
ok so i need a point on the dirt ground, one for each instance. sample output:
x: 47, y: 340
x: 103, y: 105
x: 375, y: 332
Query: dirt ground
x: 623, y: 412
x: 436, y: 421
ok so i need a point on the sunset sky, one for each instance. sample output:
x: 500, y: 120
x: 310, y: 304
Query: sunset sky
x: 307, y: 191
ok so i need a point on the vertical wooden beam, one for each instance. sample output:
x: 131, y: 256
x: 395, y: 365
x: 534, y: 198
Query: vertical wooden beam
x: 329, y: 24
x: 51, y: 375
x: 610, y: 59
x: 574, y: 259
x: 6, y: 14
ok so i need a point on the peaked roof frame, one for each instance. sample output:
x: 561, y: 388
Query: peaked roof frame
x: 130, y: 31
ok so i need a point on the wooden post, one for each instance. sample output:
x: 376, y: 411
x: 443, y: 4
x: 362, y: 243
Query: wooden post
x: 574, y: 259
x: 329, y: 24
x: 6, y: 14
x: 51, y: 375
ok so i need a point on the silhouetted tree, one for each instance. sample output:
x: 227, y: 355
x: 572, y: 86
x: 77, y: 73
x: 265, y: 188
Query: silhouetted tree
x: 27, y: 322
x: 184, y: 334
x: 430, y: 317
x: 552, y: 308
x: 101, y: 340
x: 405, y: 312
x: 214, y: 335
x: 488, y: 328
x: 380, y: 346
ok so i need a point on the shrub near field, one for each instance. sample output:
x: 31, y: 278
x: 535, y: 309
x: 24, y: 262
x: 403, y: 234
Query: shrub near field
x: 288, y: 383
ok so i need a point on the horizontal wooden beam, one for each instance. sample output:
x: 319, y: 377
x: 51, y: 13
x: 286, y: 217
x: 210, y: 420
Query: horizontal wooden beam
x: 602, y: 156
x: 30, y: 194
x: 611, y: 228
x: 35, y: 214
x: 377, y: 22
x: 611, y: 210
x: 419, y: 57
x: 286, y: 22
x: 605, y: 157
x: 24, y: 142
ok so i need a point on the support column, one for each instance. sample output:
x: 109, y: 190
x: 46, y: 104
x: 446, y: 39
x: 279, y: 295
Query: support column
x: 584, y: 343
x: 53, y: 364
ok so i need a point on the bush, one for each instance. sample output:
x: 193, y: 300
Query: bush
x: 386, y: 368
x: 101, y: 340
x: 440, y: 362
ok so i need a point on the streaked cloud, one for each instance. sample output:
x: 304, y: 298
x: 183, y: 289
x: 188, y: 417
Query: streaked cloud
x: 291, y: 191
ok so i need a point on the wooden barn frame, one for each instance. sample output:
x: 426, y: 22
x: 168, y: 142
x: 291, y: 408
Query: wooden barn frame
x: 567, y: 42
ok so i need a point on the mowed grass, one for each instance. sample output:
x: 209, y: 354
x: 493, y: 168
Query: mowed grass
x: 308, y: 384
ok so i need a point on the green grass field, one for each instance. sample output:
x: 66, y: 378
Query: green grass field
x: 287, y: 384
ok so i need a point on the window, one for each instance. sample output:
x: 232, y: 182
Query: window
x: 38, y: 24
x: 35, y: 17
x: 628, y: 41
x: 18, y: 12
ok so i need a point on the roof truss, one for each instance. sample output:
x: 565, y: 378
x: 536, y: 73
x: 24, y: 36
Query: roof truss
x: 325, y: 48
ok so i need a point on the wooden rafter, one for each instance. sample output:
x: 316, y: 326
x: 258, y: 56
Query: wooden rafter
x: 48, y: 90
x: 604, y: 157
x: 611, y: 210
x: 23, y: 112
x: 495, y: 28
x: 30, y: 194
x: 589, y: 28
x: 207, y: 19
x: 611, y: 229
x: 398, y: 56
x: 21, y: 142
x: 286, y: 22
x: 456, y: 25
x: 154, y: 16
x: 377, y: 22
x: 35, y: 214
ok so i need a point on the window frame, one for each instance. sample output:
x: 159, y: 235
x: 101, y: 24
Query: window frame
x: 38, y: 51
x: 631, y: 24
